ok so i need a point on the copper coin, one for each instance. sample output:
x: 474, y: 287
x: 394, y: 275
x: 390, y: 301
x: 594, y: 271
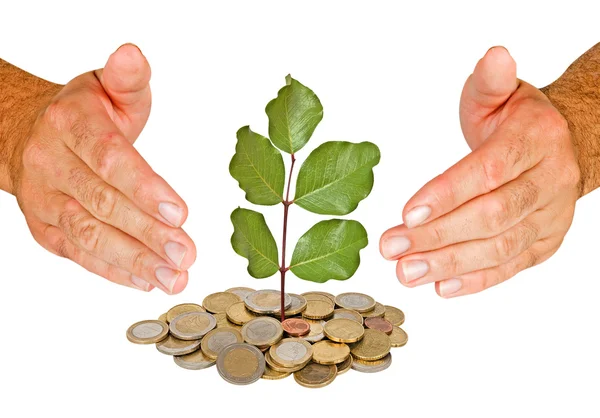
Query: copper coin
x: 379, y: 324
x: 296, y: 327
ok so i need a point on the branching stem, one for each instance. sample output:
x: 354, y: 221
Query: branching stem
x: 286, y: 208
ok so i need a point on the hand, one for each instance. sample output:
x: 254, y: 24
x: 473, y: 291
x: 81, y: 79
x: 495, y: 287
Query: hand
x: 88, y: 195
x: 503, y: 208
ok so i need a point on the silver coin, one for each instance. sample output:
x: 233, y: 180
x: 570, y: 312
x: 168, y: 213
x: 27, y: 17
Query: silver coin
x: 194, y: 361
x: 241, y: 364
x: 241, y: 291
x: 292, y: 350
x: 316, y: 333
x: 147, y: 332
x: 355, y: 301
x: 262, y: 331
x: 192, y: 325
x: 298, y: 305
x: 267, y: 301
x: 348, y: 314
x: 372, y: 366
x: 218, y: 339
x: 172, y: 346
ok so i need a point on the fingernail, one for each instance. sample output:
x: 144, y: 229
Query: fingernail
x: 141, y: 284
x: 167, y: 277
x: 171, y: 212
x: 417, y: 216
x: 175, y: 251
x: 450, y: 286
x: 394, y: 246
x: 414, y: 270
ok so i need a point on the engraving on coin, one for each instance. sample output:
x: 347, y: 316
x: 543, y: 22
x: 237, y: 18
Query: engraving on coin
x: 398, y: 338
x: 316, y: 332
x: 267, y: 301
x: 271, y: 374
x: 380, y: 324
x: 348, y: 314
x: 378, y: 311
x: 375, y: 345
x: 272, y: 364
x: 238, y: 314
x: 372, y: 366
x: 291, y: 352
x: 394, y: 315
x: 147, y: 332
x: 262, y: 331
x: 223, y: 322
x: 317, y: 309
x: 220, y: 301
x: 241, y: 364
x: 316, y: 375
x: 328, y: 352
x: 319, y: 296
x: 194, y: 361
x: 242, y: 292
x: 355, y: 301
x: 344, y: 366
x: 183, y: 308
x: 343, y: 330
x: 192, y: 325
x: 296, y: 327
x: 175, y: 347
x: 298, y: 305
x: 217, y: 339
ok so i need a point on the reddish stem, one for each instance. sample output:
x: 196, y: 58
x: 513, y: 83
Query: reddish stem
x: 286, y: 208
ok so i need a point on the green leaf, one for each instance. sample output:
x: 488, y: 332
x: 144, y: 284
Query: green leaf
x: 258, y: 167
x: 336, y: 176
x: 253, y: 240
x: 329, y: 250
x: 293, y: 116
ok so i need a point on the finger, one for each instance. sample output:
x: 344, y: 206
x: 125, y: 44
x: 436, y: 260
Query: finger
x: 484, y: 279
x: 125, y: 79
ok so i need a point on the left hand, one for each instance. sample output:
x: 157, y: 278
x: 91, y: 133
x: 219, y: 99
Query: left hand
x: 504, y: 207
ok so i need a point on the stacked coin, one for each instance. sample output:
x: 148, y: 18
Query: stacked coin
x: 239, y: 330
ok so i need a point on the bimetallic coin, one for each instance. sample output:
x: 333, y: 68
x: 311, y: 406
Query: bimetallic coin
x: 399, y: 337
x: 242, y: 292
x: 380, y: 324
x: 267, y: 301
x: 192, y: 325
x: 147, y: 332
x: 238, y: 314
x: 220, y: 301
x: 172, y: 346
x: 296, y: 327
x: 194, y: 361
x: 298, y: 305
x: 344, y: 366
x: 325, y: 297
x: 271, y: 374
x: 316, y: 333
x: 281, y: 369
x: 163, y: 318
x: 183, y: 308
x: 344, y: 330
x: 356, y: 301
x: 348, y: 314
x: 316, y: 375
x: 291, y: 352
x: 241, y: 364
x: 375, y: 345
x: 317, y: 309
x: 218, y: 339
x: 372, y: 366
x: 328, y: 352
x: 223, y: 322
x: 394, y: 315
x: 262, y: 331
x: 378, y: 311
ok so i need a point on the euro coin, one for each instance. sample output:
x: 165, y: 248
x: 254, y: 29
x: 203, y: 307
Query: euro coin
x: 217, y: 339
x: 380, y: 324
x: 220, y: 301
x: 328, y: 352
x: 163, y: 318
x: 183, y: 308
x: 375, y: 345
x: 291, y: 352
x: 372, y: 366
x: 394, y: 315
x: 378, y: 311
x: 262, y: 331
x: 172, y: 346
x: 356, y: 301
x: 325, y: 297
x: 194, y: 361
x: 147, y: 332
x: 241, y: 364
x: 316, y: 333
x: 242, y: 292
x: 344, y: 330
x: 192, y: 325
x: 344, y: 366
x: 271, y: 374
x: 316, y: 375
x: 298, y: 305
x: 348, y: 314
x: 238, y: 314
x: 296, y: 327
x: 223, y: 322
x: 267, y: 302
x: 317, y: 309
x: 273, y: 365
x: 399, y: 337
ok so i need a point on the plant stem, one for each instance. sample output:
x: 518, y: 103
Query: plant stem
x: 286, y: 208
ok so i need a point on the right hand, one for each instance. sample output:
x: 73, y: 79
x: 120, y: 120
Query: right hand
x: 88, y: 195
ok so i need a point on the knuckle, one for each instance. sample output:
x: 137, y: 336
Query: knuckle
x: 438, y: 235
x: 88, y: 233
x: 104, y: 201
x: 495, y: 214
x: 505, y: 246
x: 61, y: 248
x: 138, y: 261
x: 107, y: 154
x: 60, y: 115
x: 451, y: 264
x: 147, y: 231
x: 34, y: 155
x: 493, y: 171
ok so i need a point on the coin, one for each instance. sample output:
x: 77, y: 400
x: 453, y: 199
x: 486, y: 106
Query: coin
x: 375, y: 345
x: 296, y: 327
x: 262, y: 331
x: 147, y: 332
x: 378, y: 311
x: 242, y: 292
x: 298, y: 305
x: 175, y: 347
x: 325, y: 297
x: 317, y: 309
x: 267, y: 301
x: 217, y: 339
x: 220, y: 301
x: 183, y: 308
x: 344, y: 330
x: 194, y: 361
x: 399, y: 337
x: 192, y: 325
x: 273, y: 365
x: 316, y: 332
x: 271, y: 374
x: 344, y: 366
x: 238, y: 314
x: 328, y: 352
x: 241, y: 364
x: 380, y: 324
x: 348, y: 314
x: 223, y: 322
x: 394, y: 315
x: 355, y: 301
x: 372, y: 366
x: 316, y: 375
x: 291, y: 352
x: 163, y: 318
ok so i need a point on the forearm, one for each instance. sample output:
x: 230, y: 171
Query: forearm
x: 576, y: 94
x: 22, y: 95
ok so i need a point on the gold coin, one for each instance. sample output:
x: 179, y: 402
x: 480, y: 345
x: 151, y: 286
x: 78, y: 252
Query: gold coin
x: 183, y: 308
x: 216, y: 340
x: 348, y: 314
x: 317, y: 309
x: 298, y: 305
x: 194, y: 361
x: 241, y: 364
x: 394, y: 315
x: 163, y: 318
x: 316, y: 333
x: 355, y: 301
x: 242, y: 292
x: 291, y: 352
x: 328, y: 352
x: 272, y: 364
x: 192, y: 325
x: 344, y: 330
x: 172, y: 346
x: 238, y: 314
x: 372, y: 366
x: 223, y: 322
x: 271, y: 374
x: 325, y: 297
x: 399, y: 337
x: 148, y: 332
x: 344, y: 366
x: 316, y: 375
x: 262, y: 331
x: 377, y: 312
x: 220, y: 301
x: 375, y: 345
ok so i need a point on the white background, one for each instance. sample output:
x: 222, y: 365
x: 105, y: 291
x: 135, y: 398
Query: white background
x: 388, y: 72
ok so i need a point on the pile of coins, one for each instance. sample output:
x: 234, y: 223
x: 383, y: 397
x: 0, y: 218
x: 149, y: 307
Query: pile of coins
x: 322, y: 336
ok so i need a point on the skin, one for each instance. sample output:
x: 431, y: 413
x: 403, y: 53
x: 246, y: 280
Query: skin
x: 508, y: 204
x: 67, y: 155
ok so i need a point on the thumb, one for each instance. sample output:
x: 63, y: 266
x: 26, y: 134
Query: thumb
x: 125, y: 79
x: 492, y: 83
